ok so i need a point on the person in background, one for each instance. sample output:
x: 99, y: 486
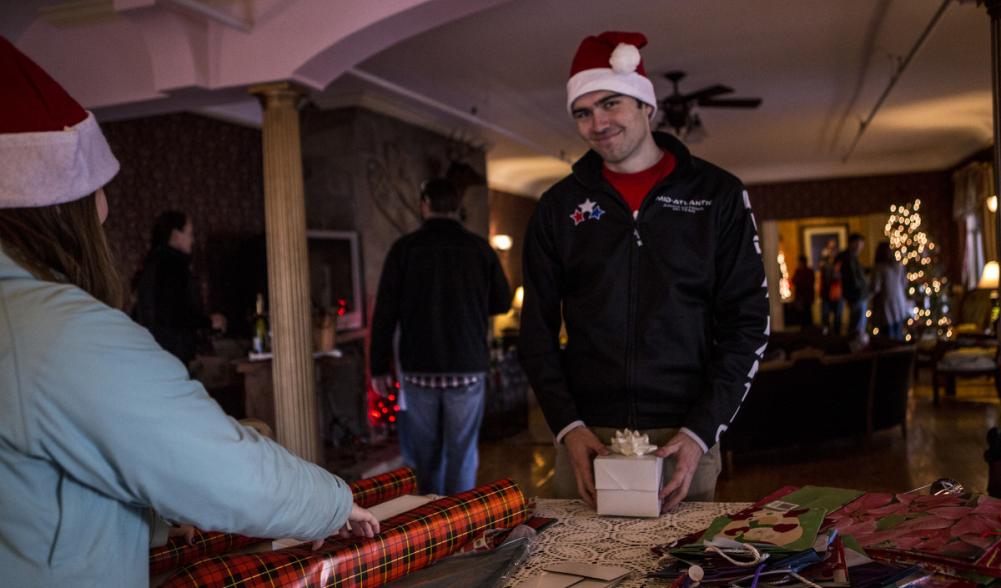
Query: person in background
x: 167, y: 301
x: 803, y: 290
x: 651, y: 258
x: 99, y: 426
x: 831, y: 301
x: 889, y: 292
x: 854, y: 285
x: 439, y: 286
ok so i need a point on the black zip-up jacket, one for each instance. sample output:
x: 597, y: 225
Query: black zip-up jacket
x: 440, y: 284
x: 666, y: 313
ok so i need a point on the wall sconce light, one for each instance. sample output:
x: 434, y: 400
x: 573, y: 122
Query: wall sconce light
x: 501, y: 242
x: 519, y: 299
x: 989, y: 279
x: 992, y: 204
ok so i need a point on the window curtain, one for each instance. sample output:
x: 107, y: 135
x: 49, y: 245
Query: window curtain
x: 972, y: 188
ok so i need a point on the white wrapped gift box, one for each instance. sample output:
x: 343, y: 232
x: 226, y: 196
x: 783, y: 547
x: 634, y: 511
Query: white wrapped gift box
x: 628, y: 485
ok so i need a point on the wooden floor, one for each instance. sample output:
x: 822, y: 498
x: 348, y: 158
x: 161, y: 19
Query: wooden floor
x: 943, y: 441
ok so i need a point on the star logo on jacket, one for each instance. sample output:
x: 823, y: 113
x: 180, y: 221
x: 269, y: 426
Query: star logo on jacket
x: 587, y: 210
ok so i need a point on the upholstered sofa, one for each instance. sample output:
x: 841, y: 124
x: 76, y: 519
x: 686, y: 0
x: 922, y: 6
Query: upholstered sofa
x: 814, y: 388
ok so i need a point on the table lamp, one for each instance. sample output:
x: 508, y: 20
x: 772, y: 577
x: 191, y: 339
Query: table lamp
x: 989, y: 278
x: 989, y: 281
x: 519, y: 299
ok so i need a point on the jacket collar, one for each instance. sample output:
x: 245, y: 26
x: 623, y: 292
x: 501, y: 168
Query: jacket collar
x: 587, y: 169
x: 10, y: 270
x: 441, y: 222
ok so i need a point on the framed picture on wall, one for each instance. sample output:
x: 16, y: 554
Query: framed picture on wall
x: 335, y: 280
x: 818, y: 239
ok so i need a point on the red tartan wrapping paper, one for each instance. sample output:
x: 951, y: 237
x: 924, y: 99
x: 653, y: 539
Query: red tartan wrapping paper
x: 372, y: 491
x: 408, y: 542
x: 177, y: 553
x: 366, y: 493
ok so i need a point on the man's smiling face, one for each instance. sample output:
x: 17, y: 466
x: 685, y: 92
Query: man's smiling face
x: 614, y: 125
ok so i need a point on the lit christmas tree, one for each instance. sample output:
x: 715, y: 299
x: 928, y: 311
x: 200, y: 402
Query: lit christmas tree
x: 785, y: 284
x: 927, y: 290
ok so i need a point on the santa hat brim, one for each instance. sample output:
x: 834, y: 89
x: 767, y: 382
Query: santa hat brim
x: 52, y: 167
x: 631, y: 84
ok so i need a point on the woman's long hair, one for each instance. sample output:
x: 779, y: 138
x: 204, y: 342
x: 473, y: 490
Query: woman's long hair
x: 63, y: 243
x: 882, y: 254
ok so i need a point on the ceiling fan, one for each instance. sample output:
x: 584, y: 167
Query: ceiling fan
x: 679, y: 109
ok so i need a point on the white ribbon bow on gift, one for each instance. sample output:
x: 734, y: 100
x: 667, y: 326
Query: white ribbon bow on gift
x: 632, y: 443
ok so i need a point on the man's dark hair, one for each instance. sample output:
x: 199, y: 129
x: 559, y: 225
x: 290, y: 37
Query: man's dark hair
x: 441, y: 195
x: 855, y: 238
x: 165, y: 224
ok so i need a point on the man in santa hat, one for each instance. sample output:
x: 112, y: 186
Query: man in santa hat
x: 651, y: 258
x: 99, y: 426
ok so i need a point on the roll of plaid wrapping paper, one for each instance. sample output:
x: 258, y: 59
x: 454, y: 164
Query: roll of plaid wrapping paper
x: 367, y: 492
x: 408, y: 542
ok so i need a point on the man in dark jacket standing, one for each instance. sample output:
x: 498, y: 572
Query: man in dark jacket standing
x: 856, y: 287
x: 651, y: 258
x: 439, y: 284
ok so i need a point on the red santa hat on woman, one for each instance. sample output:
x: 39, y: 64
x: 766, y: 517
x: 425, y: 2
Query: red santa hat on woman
x: 51, y: 149
x: 612, y: 62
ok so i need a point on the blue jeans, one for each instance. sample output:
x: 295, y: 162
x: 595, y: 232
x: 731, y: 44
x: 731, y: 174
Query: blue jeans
x: 828, y: 308
x: 440, y: 431
x: 856, y: 316
x: 895, y: 331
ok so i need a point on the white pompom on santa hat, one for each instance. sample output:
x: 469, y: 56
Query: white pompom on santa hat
x: 51, y: 149
x: 610, y: 61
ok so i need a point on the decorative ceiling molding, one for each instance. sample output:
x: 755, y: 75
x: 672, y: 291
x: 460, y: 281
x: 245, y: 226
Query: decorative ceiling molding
x: 200, y: 8
x: 78, y: 13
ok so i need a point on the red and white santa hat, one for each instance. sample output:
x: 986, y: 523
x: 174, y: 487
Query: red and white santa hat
x: 611, y: 61
x: 51, y: 149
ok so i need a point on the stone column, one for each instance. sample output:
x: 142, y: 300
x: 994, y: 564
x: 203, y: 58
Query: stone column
x: 288, y: 271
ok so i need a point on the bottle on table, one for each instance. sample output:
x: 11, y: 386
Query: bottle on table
x: 261, y: 331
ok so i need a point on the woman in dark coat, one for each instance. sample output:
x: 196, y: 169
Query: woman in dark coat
x: 166, y: 300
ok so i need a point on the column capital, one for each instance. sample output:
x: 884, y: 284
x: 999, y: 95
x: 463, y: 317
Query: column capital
x: 274, y: 94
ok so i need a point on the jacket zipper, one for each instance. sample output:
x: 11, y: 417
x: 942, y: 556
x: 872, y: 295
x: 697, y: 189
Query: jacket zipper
x: 632, y: 332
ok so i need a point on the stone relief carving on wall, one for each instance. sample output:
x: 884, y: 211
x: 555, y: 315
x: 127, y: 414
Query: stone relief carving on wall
x: 395, y: 192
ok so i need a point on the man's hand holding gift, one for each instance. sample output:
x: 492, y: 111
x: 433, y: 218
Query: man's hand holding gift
x: 686, y: 454
x: 582, y: 446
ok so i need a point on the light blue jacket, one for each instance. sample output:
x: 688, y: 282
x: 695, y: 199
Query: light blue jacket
x: 98, y: 424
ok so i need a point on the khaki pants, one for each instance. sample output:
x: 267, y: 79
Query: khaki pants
x: 702, y: 489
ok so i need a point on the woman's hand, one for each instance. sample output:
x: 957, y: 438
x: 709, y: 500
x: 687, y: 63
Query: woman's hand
x: 185, y: 531
x: 361, y: 523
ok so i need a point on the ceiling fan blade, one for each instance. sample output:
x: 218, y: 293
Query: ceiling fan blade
x: 731, y: 103
x: 709, y: 92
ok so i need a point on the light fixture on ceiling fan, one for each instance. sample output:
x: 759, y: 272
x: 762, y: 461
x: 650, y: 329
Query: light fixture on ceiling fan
x: 679, y: 109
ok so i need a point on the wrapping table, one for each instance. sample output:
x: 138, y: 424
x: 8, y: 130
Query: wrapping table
x: 581, y: 535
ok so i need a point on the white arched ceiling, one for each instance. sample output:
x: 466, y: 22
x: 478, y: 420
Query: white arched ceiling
x: 143, y: 56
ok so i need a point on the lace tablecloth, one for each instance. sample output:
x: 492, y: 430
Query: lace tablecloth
x: 581, y: 535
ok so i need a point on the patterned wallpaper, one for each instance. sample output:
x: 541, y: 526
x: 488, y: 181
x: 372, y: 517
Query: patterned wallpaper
x: 212, y: 171
x: 856, y: 196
